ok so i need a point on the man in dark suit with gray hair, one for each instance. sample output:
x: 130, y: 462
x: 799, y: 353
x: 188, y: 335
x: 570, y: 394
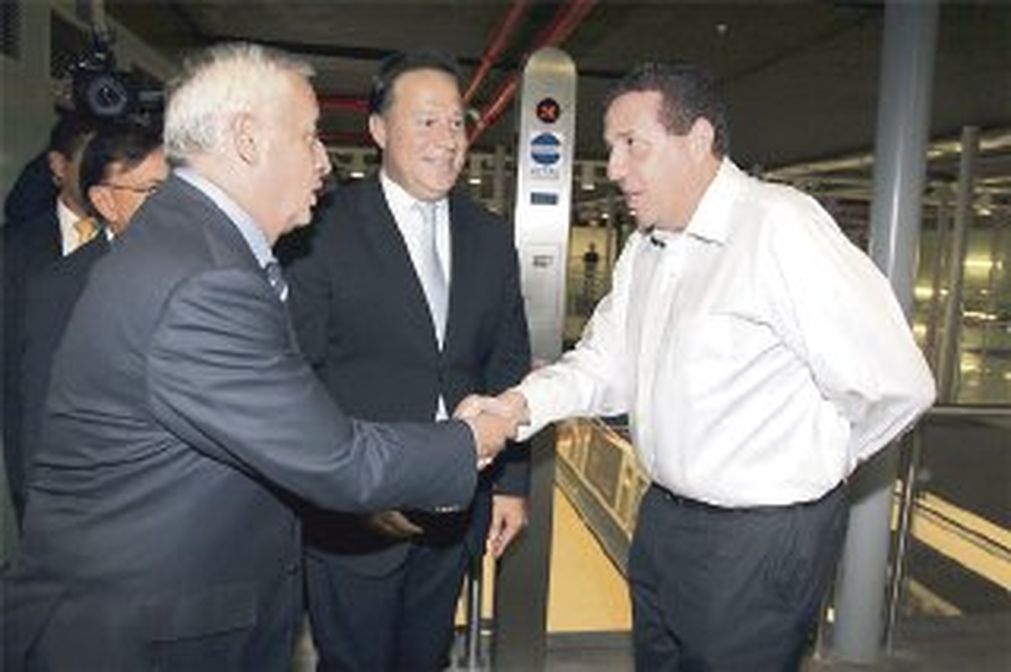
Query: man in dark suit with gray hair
x: 182, y: 422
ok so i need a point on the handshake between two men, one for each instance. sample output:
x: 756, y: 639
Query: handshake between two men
x: 493, y: 420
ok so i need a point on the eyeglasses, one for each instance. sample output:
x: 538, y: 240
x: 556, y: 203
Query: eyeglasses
x: 147, y: 191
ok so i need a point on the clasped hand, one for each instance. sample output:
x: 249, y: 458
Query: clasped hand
x: 493, y: 420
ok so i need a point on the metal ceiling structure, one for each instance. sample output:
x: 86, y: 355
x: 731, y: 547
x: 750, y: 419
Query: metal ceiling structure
x: 800, y: 77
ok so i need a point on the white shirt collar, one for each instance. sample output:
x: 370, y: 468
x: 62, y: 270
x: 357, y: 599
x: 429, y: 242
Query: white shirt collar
x: 400, y: 201
x: 711, y: 220
x: 67, y: 219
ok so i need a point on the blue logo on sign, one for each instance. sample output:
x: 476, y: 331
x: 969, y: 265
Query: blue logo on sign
x: 545, y: 149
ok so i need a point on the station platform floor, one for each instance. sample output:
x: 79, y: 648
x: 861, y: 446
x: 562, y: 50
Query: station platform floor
x: 589, y: 620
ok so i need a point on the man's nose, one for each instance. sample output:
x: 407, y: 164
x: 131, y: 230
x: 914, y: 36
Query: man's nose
x: 615, y: 167
x: 323, y: 165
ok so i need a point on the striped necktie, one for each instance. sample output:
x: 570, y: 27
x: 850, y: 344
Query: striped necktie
x: 276, y: 279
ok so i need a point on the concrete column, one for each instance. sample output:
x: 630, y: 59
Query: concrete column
x: 910, y: 35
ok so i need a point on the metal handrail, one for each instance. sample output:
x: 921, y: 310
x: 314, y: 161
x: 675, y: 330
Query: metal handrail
x: 973, y: 411
x: 991, y: 415
x: 988, y: 414
x: 910, y: 475
x: 976, y: 411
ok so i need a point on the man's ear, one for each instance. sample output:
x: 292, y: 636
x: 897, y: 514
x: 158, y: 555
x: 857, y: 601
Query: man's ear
x: 377, y: 129
x: 700, y: 138
x: 57, y: 167
x: 244, y: 138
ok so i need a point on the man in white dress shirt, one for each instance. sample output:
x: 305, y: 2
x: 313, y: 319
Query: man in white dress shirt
x: 760, y: 357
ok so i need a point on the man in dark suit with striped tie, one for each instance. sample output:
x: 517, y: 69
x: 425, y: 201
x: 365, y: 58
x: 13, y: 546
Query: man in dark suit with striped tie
x: 182, y: 424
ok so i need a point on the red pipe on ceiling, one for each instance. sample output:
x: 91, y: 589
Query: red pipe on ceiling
x: 345, y: 137
x: 491, y: 54
x: 497, y: 46
x: 565, y: 22
x: 338, y: 102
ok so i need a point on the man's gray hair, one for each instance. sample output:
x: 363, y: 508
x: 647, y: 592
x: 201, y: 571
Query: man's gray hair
x: 218, y: 84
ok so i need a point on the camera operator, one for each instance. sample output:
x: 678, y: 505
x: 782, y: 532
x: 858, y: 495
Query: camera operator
x: 99, y: 92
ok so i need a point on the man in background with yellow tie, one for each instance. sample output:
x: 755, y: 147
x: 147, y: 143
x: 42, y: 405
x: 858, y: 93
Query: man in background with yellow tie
x: 120, y: 167
x: 30, y: 246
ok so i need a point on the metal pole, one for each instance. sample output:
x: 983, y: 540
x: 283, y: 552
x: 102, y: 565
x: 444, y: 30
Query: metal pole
x: 498, y: 197
x: 993, y: 282
x: 910, y: 35
x: 896, y: 581
x: 612, y: 228
x: 521, y: 591
x: 951, y: 332
x: 473, y: 660
x: 933, y: 317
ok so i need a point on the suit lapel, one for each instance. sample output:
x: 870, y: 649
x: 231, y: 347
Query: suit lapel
x: 222, y: 229
x: 228, y: 235
x: 44, y: 244
x: 465, y: 271
x: 392, y: 256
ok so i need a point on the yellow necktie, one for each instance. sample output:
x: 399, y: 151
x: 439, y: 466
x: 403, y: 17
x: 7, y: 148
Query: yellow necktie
x: 86, y: 229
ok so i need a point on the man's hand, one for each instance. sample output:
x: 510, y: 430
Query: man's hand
x: 490, y: 435
x: 508, y: 518
x: 510, y: 405
x: 393, y: 524
x: 490, y: 416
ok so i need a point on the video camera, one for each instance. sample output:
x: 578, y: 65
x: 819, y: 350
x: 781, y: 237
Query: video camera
x: 101, y: 90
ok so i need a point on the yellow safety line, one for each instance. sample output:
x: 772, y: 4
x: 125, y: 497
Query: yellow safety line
x: 965, y: 545
x: 971, y: 521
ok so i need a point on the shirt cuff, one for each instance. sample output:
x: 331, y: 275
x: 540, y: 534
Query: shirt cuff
x: 538, y: 406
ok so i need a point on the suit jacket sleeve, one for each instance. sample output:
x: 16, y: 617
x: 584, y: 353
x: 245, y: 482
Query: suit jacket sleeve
x: 509, y: 362
x: 224, y: 376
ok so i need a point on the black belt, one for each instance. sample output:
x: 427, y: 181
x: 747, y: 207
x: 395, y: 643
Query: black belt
x: 689, y: 503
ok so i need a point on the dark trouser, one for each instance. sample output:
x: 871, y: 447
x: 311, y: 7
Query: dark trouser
x: 730, y: 589
x: 400, y: 621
